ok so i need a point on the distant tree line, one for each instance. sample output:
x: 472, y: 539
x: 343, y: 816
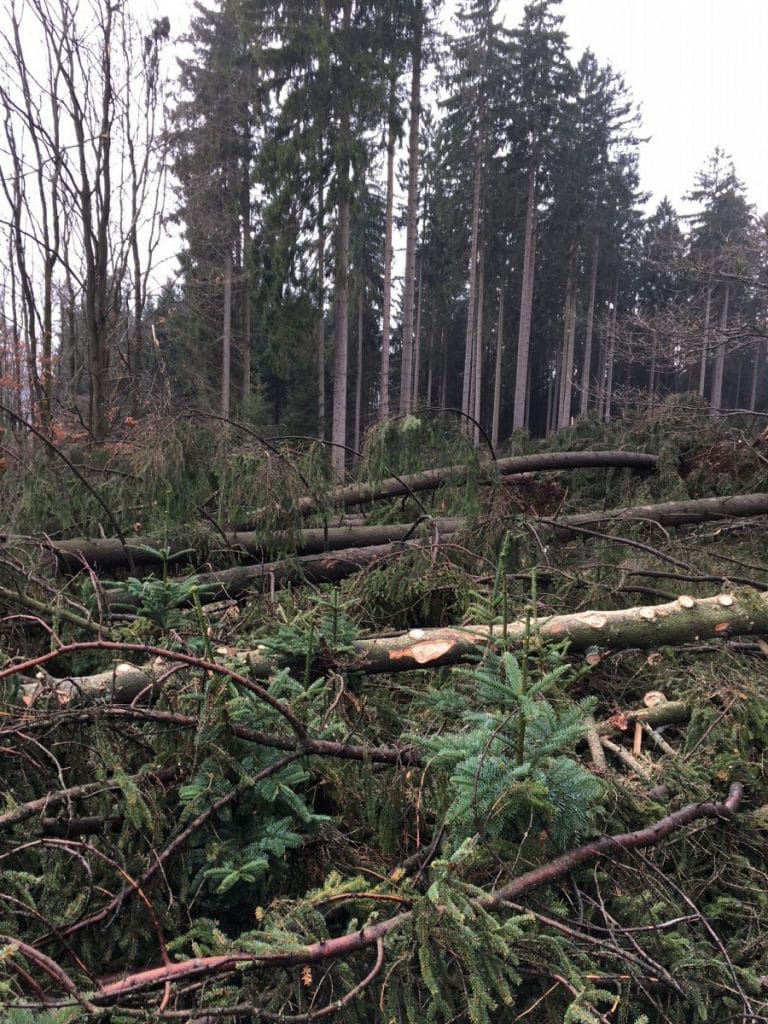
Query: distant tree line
x: 306, y: 143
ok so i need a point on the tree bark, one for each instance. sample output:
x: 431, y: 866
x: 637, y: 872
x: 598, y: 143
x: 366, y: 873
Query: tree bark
x: 359, y: 372
x: 109, y: 553
x: 477, y: 376
x: 469, y: 350
x: 569, y: 342
x: 705, y: 340
x: 610, y: 353
x: 233, y: 583
x: 668, y: 513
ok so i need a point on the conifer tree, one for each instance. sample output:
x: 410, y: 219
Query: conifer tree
x: 719, y: 244
x: 542, y: 78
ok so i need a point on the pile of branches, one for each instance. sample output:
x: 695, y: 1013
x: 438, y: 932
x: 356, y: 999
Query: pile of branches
x: 438, y: 765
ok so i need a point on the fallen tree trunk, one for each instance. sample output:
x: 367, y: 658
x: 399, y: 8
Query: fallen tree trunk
x: 685, y: 620
x: 429, y: 479
x: 667, y: 513
x: 111, y: 553
x: 234, y: 583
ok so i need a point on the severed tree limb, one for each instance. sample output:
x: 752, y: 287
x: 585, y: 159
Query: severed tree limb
x: 345, y: 945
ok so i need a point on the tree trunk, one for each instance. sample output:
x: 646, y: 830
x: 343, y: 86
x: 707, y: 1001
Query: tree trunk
x: 359, y: 372
x: 716, y: 398
x: 110, y: 553
x: 477, y: 376
x: 586, y: 371
x: 757, y: 372
x: 569, y: 342
x: 469, y: 349
x: 496, y: 415
x: 705, y: 340
x: 226, y: 338
x: 341, y: 329
x: 320, y: 287
x: 417, y: 338
x: 411, y: 226
x: 386, y: 312
x: 519, y: 418
x: 245, y: 289
x: 685, y: 620
x: 394, y: 487
x: 652, y: 375
x: 610, y: 353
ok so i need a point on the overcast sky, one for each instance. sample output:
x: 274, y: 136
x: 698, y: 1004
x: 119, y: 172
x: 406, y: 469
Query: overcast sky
x: 698, y: 69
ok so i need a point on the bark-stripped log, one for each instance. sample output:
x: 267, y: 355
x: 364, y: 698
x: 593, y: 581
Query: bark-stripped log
x: 685, y: 620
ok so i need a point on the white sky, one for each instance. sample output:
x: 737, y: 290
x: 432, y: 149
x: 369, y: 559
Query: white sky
x: 698, y: 69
